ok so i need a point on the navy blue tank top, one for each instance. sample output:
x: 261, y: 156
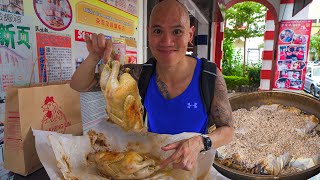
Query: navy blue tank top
x: 184, y: 113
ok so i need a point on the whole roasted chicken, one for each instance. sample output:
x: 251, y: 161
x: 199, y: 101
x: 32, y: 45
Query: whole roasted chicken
x: 122, y: 97
x: 120, y: 165
x: 123, y: 165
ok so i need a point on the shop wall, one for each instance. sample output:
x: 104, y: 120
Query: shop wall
x: 44, y: 42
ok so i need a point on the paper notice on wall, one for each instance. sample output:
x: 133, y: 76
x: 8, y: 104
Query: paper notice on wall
x: 54, y: 57
x: 93, y: 107
x: 119, y: 47
x: 16, y: 57
x: 131, y: 52
x: 59, y: 63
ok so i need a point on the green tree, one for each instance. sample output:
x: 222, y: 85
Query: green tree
x: 246, y: 20
x: 315, y: 44
x: 231, y: 62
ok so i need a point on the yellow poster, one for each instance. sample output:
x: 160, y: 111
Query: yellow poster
x: 101, y: 18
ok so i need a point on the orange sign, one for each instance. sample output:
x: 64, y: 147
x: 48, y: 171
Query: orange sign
x: 101, y: 18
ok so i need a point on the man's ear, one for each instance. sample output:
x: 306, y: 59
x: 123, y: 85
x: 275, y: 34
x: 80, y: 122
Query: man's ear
x: 191, y: 33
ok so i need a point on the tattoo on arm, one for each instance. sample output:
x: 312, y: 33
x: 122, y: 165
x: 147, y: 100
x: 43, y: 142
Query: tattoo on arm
x: 162, y: 87
x: 221, y: 110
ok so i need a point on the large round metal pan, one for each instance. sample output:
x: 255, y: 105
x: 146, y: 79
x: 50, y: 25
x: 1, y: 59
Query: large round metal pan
x: 304, y: 102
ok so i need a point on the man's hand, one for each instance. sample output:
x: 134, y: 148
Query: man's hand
x: 99, y: 47
x: 186, y: 154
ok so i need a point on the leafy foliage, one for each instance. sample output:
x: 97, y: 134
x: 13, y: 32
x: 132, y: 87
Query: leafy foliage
x: 254, y: 75
x: 234, y: 82
x: 231, y: 62
x: 245, y: 18
x: 315, y: 44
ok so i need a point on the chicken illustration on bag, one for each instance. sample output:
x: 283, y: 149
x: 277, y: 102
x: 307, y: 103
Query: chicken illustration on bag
x: 54, y: 119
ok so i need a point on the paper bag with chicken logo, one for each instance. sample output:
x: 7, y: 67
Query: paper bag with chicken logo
x: 50, y: 108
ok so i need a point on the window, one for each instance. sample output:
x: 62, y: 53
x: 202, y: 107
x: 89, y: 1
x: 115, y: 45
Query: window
x: 309, y: 70
x: 316, y: 71
x: 299, y: 5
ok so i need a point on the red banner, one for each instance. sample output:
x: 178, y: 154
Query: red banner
x: 292, y: 56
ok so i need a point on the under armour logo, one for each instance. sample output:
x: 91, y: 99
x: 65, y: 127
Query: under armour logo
x: 194, y: 105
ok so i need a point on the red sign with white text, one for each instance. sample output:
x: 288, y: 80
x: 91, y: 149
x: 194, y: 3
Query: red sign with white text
x: 292, y: 56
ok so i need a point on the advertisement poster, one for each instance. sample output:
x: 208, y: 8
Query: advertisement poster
x: 293, y: 46
x: 16, y: 54
x: 81, y: 44
x: 39, y: 41
x: 54, y: 57
x: 129, y: 6
x: 131, y: 52
x: 56, y: 15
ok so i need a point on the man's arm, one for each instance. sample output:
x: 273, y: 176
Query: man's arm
x: 83, y: 78
x: 99, y: 48
x: 221, y: 113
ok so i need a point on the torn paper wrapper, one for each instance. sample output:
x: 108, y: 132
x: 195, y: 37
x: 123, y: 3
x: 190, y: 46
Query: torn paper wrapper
x: 70, y: 152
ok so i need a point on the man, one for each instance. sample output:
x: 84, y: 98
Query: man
x: 288, y: 36
x: 175, y: 80
x: 300, y: 54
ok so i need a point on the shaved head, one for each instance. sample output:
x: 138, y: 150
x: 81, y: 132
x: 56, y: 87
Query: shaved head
x: 172, y: 7
x: 169, y: 32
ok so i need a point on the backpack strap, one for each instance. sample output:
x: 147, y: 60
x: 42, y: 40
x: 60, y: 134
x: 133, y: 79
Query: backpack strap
x: 207, y: 80
x: 143, y: 82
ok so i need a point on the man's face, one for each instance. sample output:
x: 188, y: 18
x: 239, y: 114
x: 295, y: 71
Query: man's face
x: 169, y: 33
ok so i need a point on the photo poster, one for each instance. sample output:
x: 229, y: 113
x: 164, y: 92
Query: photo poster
x: 292, y: 56
x: 43, y: 41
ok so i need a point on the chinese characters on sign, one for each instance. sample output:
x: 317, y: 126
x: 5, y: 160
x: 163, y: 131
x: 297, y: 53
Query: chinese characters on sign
x: 54, y: 54
x: 5, y: 17
x: 129, y: 6
x: 101, y: 18
x: 16, y: 57
x: 59, y: 63
x: 7, y: 35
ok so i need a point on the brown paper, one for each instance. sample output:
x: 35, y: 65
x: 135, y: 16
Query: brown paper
x: 50, y: 108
